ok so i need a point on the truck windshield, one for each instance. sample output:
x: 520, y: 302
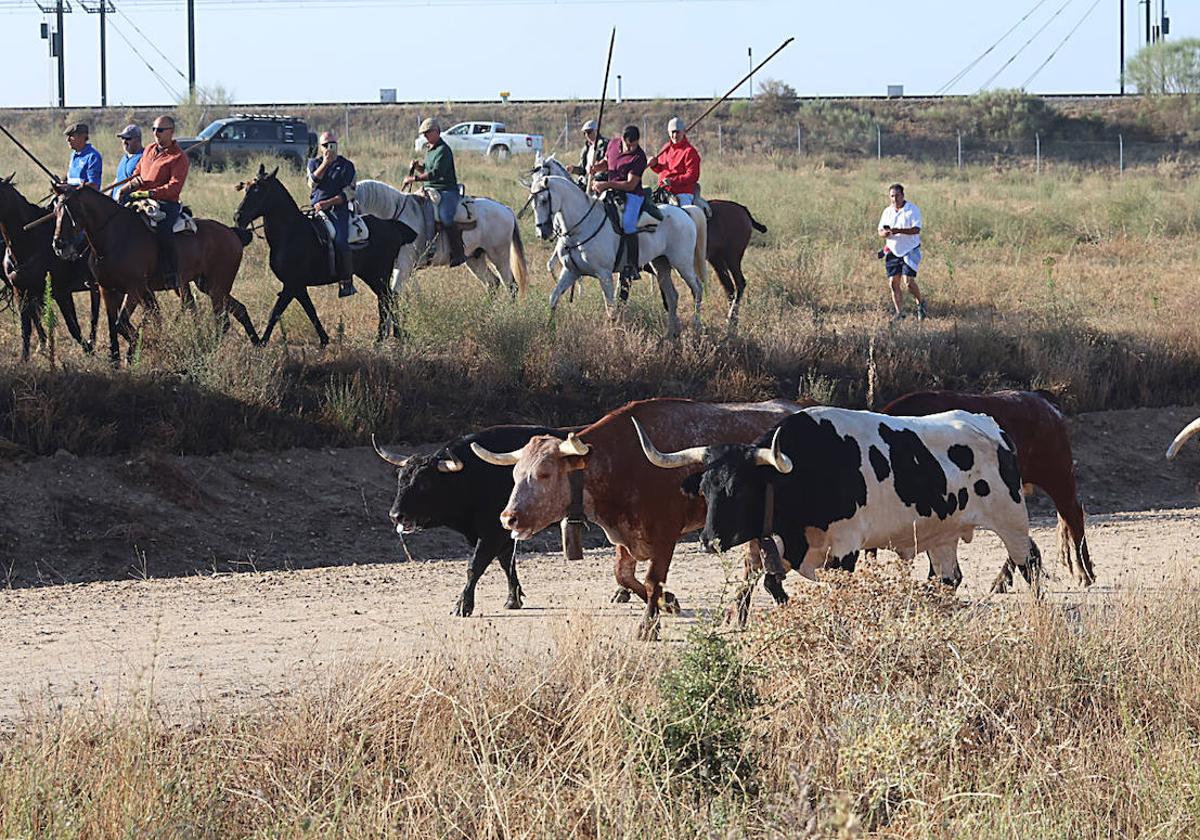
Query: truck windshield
x: 210, y: 130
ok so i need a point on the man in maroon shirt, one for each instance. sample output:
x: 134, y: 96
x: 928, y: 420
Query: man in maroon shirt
x: 625, y: 161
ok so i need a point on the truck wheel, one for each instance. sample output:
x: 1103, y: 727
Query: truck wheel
x: 500, y: 153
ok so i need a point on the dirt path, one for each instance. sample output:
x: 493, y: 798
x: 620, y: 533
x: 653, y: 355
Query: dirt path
x: 144, y: 612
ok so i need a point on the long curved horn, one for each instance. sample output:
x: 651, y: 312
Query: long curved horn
x: 449, y: 465
x: 1183, y: 437
x: 773, y: 457
x: 499, y: 459
x: 390, y: 457
x: 573, y: 446
x: 668, y: 460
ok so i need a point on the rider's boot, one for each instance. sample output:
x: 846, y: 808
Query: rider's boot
x: 170, y: 260
x: 454, y: 239
x: 630, y: 265
x: 343, y: 262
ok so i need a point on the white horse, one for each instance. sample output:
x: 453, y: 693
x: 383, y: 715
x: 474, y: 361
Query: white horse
x: 496, y: 236
x: 586, y: 243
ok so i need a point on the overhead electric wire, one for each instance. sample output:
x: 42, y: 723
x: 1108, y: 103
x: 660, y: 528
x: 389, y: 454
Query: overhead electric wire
x: 1086, y: 15
x: 25, y: 5
x: 149, y: 41
x: 958, y: 76
x: 1032, y: 38
x: 167, y: 87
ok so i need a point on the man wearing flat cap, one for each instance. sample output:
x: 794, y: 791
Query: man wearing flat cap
x: 131, y: 138
x: 86, y: 167
x: 438, y: 175
x: 594, y: 147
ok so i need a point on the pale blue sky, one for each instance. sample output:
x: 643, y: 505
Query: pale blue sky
x: 345, y: 50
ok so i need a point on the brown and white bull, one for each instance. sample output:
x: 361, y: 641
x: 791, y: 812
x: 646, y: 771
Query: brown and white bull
x: 640, y: 507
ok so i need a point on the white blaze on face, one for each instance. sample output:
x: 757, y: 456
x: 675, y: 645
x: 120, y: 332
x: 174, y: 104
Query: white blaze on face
x: 541, y: 490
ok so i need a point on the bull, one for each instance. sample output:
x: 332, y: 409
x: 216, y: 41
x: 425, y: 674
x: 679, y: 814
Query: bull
x: 452, y: 488
x: 640, y: 509
x: 831, y: 481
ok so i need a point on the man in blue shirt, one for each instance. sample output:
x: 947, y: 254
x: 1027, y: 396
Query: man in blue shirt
x: 86, y: 166
x: 131, y: 136
x: 331, y: 178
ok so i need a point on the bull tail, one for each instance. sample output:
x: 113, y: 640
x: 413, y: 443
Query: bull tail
x: 244, y: 235
x: 1183, y: 437
x: 755, y: 223
x: 516, y: 259
x: 701, y: 252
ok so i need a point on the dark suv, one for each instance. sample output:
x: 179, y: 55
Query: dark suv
x: 247, y: 137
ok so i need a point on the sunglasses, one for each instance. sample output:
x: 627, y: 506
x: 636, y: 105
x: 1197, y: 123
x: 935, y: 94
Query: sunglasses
x: 324, y: 145
x: 160, y: 130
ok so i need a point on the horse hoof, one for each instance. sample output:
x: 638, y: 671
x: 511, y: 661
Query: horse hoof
x: 463, y: 608
x: 621, y: 596
x: 513, y: 604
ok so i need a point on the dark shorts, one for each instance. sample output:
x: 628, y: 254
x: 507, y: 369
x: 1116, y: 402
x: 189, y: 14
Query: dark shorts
x: 896, y: 265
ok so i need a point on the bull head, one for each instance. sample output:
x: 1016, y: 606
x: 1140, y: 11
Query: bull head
x: 571, y: 446
x: 773, y: 457
x: 668, y: 460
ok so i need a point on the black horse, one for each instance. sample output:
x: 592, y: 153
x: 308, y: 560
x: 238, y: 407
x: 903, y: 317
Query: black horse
x: 28, y: 258
x: 300, y: 259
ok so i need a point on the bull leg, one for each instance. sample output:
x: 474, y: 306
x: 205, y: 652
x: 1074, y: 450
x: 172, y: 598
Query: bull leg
x: 482, y: 558
x: 944, y: 558
x: 508, y: 562
x: 281, y: 303
x: 1023, y: 554
x: 656, y: 579
x: 311, y: 311
x: 625, y: 571
x: 1071, y: 534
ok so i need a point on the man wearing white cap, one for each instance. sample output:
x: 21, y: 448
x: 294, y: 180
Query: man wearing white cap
x: 678, y: 165
x: 438, y: 174
x: 131, y: 137
x: 594, y: 147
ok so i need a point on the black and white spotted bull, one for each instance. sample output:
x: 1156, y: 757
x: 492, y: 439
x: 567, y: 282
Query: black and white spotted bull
x: 453, y: 488
x: 831, y: 481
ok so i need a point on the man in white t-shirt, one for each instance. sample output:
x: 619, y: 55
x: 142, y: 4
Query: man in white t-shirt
x: 900, y: 226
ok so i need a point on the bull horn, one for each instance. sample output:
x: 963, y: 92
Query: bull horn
x: 773, y: 457
x: 499, y: 459
x: 573, y: 446
x: 449, y: 465
x: 1183, y: 437
x: 668, y: 460
x: 391, y: 457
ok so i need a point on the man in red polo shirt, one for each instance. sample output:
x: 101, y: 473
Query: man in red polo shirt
x: 160, y: 175
x: 678, y: 165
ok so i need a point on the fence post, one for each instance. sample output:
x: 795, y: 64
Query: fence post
x: 346, y: 130
x: 960, y: 150
x: 1037, y: 150
x: 1121, y: 153
x: 720, y: 141
x: 878, y: 143
x: 799, y: 141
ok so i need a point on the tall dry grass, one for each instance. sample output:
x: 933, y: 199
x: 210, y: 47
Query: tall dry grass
x: 880, y: 708
x: 1071, y: 280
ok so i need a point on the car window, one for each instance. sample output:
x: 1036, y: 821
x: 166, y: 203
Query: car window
x: 458, y: 129
x: 234, y: 131
x: 267, y: 132
x: 211, y: 129
x: 481, y: 128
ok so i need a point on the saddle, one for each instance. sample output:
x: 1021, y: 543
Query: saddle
x: 322, y: 226
x: 464, y: 216
x: 661, y: 196
x: 151, y: 214
x: 647, y: 222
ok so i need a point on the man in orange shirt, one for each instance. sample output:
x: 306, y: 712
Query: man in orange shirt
x: 160, y: 175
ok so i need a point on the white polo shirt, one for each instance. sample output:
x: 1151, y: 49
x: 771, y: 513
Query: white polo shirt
x: 906, y: 217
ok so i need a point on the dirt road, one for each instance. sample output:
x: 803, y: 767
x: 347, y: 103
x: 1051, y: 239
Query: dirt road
x: 241, y: 577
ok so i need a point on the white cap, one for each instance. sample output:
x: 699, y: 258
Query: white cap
x: 675, y: 124
x: 590, y: 125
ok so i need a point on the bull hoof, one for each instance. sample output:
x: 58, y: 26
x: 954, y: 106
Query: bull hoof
x: 621, y: 596
x: 1001, y: 583
x: 670, y: 603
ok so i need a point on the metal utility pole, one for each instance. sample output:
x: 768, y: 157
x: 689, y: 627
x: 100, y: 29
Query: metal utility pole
x: 1121, y: 14
x: 750, y: 55
x: 102, y: 8
x: 1147, y: 21
x: 61, y: 44
x: 191, y: 23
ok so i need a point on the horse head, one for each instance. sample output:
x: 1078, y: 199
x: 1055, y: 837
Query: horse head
x: 258, y: 198
x: 66, y: 228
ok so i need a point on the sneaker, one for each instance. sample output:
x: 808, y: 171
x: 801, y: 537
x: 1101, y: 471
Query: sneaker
x: 922, y: 313
x: 346, y: 289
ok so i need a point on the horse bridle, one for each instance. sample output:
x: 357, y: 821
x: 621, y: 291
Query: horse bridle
x: 570, y: 231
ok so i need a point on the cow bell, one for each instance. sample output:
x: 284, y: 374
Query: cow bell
x: 572, y: 539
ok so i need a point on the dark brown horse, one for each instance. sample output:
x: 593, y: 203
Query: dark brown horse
x: 28, y: 258
x: 124, y: 260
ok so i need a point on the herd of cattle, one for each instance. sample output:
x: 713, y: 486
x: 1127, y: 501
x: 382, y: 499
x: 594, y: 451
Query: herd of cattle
x: 804, y: 486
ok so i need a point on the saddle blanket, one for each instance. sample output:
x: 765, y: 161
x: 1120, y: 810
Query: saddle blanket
x: 358, y: 229
x: 152, y: 214
x: 464, y: 216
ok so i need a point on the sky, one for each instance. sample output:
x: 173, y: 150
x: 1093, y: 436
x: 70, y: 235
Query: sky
x: 296, y: 51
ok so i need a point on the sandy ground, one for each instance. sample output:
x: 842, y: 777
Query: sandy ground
x: 204, y: 582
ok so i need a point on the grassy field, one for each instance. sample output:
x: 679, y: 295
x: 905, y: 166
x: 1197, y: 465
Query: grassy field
x: 1069, y: 280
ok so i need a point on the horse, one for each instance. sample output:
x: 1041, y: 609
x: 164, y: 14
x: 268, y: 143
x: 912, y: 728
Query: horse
x: 300, y: 259
x: 124, y: 260
x: 729, y: 231
x: 496, y: 237
x: 586, y: 243
x: 28, y: 258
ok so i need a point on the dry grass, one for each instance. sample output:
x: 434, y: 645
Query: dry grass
x: 876, y: 709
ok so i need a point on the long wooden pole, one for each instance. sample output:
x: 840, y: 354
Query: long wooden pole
x: 729, y: 92
x: 603, y: 99
x: 20, y: 146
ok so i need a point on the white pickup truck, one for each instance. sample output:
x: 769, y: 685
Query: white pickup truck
x: 487, y: 138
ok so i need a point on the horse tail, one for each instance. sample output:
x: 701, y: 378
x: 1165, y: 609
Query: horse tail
x: 244, y: 235
x: 755, y: 223
x: 701, y: 253
x: 516, y: 259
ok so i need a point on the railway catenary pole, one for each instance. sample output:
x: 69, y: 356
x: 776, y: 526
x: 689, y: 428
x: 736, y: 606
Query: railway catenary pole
x: 1121, y: 14
x: 191, y: 29
x: 729, y: 92
x: 62, y: 58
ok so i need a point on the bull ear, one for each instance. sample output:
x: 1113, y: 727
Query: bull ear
x: 691, y: 485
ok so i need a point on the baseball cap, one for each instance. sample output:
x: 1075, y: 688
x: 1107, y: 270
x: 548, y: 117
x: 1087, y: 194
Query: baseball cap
x: 130, y: 131
x: 76, y: 128
x: 675, y: 124
x: 590, y: 125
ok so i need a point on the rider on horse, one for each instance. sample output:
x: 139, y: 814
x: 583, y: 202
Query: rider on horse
x: 625, y: 161
x: 594, y: 147
x: 331, y: 178
x: 160, y: 175
x: 678, y: 167
x: 131, y: 138
x: 439, y: 176
x: 86, y: 167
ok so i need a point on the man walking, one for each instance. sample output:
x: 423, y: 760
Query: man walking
x: 594, y: 147
x: 331, y: 178
x: 131, y: 138
x: 86, y: 167
x: 438, y: 175
x: 160, y: 175
x: 900, y: 227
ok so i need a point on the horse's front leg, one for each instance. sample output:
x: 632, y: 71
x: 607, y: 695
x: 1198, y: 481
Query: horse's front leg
x: 281, y: 303
x: 403, y: 267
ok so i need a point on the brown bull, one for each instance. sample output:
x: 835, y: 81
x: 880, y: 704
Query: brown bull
x: 1039, y: 431
x: 640, y: 507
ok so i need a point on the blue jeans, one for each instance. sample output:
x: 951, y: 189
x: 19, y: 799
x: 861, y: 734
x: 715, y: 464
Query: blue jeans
x: 340, y: 216
x: 447, y: 207
x: 633, y: 209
